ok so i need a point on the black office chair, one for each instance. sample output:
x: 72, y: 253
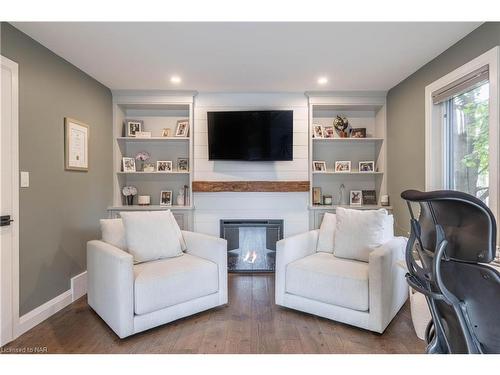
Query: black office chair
x: 453, y: 239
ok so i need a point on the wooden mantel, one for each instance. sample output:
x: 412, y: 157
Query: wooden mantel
x: 250, y: 186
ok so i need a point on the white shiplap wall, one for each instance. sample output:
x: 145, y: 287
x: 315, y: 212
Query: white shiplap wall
x: 212, y: 207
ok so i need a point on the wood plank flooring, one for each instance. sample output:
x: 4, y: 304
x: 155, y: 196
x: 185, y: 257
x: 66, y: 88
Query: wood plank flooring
x: 250, y: 323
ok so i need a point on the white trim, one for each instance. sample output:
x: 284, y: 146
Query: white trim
x: 14, y: 281
x: 38, y: 315
x: 78, y: 286
x: 434, y: 163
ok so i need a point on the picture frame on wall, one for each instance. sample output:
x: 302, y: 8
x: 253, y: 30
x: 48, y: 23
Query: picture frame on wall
x: 166, y: 198
x: 164, y: 166
x: 182, y: 129
x: 76, y: 145
x: 366, y: 166
x: 342, y: 166
x: 132, y: 127
x: 356, y: 198
x: 319, y: 166
x: 128, y: 165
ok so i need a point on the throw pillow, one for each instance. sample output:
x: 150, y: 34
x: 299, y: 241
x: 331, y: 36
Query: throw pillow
x: 178, y: 231
x: 112, y: 232
x: 150, y: 235
x: 358, y: 232
x: 326, y: 233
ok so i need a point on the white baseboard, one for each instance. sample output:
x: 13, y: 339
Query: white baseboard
x: 49, y: 308
x: 38, y: 315
x: 79, y: 285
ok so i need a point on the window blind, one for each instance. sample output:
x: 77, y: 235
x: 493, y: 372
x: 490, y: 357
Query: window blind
x: 464, y: 84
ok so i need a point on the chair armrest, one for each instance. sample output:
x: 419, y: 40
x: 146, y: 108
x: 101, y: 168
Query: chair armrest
x: 388, y: 290
x: 213, y: 249
x: 110, y: 273
x: 289, y: 250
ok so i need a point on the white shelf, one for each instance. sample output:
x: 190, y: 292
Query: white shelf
x: 152, y: 139
x: 152, y: 207
x: 348, y: 173
x: 156, y: 172
x: 347, y: 140
x: 362, y: 207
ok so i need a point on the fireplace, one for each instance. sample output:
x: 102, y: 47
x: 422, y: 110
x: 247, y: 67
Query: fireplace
x: 251, y: 244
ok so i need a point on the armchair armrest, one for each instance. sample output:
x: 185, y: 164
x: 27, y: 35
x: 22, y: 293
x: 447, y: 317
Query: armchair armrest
x: 111, y: 285
x: 388, y: 290
x: 289, y: 250
x: 213, y: 249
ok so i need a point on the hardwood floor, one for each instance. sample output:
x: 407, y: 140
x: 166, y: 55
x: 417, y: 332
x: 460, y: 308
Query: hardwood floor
x: 251, y: 323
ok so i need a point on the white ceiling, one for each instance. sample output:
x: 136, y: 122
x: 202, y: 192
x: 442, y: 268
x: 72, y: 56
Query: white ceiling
x: 248, y: 56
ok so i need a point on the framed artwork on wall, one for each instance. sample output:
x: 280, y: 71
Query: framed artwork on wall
x: 76, y: 145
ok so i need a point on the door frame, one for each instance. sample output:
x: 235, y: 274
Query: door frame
x: 12, y: 285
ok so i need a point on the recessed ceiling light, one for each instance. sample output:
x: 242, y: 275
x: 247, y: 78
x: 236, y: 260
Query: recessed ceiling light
x: 175, y: 79
x: 322, y: 80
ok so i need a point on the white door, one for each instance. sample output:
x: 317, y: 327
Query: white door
x: 9, y: 200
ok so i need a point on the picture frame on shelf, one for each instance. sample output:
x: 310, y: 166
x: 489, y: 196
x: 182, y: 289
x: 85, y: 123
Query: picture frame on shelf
x: 132, y: 127
x: 164, y: 166
x: 166, y: 132
x: 76, y: 145
x: 328, y: 132
x: 128, y: 165
x: 183, y: 164
x: 369, y: 197
x: 342, y: 166
x: 182, y: 129
x: 317, y: 131
x: 366, y: 166
x: 316, y: 195
x: 358, y: 133
x: 166, y: 198
x: 356, y: 198
x: 319, y: 166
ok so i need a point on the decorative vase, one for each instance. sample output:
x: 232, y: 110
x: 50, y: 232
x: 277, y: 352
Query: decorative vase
x: 180, y: 198
x: 130, y: 200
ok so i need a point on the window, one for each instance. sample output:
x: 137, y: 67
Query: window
x: 462, y: 132
x: 466, y: 142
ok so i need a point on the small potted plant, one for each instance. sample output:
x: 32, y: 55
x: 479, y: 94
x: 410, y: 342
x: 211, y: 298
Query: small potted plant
x: 129, y: 192
x: 142, y: 156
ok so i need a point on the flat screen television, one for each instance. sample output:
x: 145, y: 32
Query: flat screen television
x: 250, y: 135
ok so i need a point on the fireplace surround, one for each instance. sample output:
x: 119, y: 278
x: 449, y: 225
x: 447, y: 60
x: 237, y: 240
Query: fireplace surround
x: 251, y: 243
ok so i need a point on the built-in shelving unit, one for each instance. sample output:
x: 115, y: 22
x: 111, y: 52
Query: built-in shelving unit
x: 363, y: 110
x: 157, y: 111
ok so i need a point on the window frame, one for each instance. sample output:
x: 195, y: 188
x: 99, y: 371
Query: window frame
x: 436, y: 134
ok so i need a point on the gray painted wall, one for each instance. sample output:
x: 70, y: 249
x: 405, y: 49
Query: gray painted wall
x: 406, y: 116
x: 59, y: 212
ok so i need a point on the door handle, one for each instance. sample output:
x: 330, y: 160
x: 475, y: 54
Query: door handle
x: 5, y: 220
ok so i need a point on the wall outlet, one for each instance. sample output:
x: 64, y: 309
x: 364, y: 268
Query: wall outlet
x: 25, y: 179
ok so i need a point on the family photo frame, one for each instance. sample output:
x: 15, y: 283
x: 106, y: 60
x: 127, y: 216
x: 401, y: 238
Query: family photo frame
x: 166, y: 198
x: 133, y: 127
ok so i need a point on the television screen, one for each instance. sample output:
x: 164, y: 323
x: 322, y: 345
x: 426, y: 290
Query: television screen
x: 250, y: 135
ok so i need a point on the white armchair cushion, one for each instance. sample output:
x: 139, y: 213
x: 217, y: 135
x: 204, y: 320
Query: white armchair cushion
x: 327, y: 233
x: 151, y: 235
x: 326, y: 278
x: 113, y: 233
x: 358, y: 232
x: 168, y: 282
x: 178, y: 231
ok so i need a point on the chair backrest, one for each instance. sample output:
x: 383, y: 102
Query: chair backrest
x: 454, y: 236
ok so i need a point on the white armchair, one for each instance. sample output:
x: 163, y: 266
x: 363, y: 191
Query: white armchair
x: 363, y: 294
x: 133, y: 298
